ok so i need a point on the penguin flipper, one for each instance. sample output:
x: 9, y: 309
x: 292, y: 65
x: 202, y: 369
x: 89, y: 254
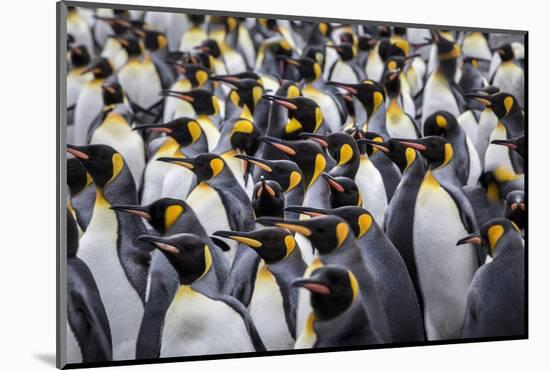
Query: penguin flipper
x: 135, y: 262
x: 166, y: 74
x: 240, y: 280
x: 98, y: 120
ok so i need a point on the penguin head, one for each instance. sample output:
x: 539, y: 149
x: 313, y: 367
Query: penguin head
x: 327, y: 233
x: 184, y: 130
x: 268, y: 198
x: 364, y: 147
x: 491, y: 233
x: 345, y: 50
x: 197, y: 74
x: 399, y: 153
x: 341, y: 146
x: 205, y: 166
x: 187, y: 253
x: 366, y: 42
x: 77, y: 176
x: 132, y: 45
x: 440, y: 123
x: 517, y: 144
x: 202, y: 101
x: 437, y: 150
x: 369, y: 93
x: 102, y: 162
x: 196, y: 19
x: 272, y: 244
x: 154, y: 40
x: 333, y: 290
x: 304, y: 115
x: 210, y: 47
x: 101, y: 68
x: 309, y: 69
x: 343, y: 191
x: 112, y: 93
x: 118, y: 25
x: 388, y: 49
x: 506, y: 52
x: 492, y: 186
x: 72, y: 235
x: 306, y: 154
x: 79, y: 56
x: 447, y: 50
x: 501, y: 103
x: 161, y: 214
x: 246, y: 92
x: 315, y: 53
x: 358, y: 218
x: 286, y: 173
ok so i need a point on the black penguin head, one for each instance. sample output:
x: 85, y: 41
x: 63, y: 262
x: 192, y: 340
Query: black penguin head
x: 490, y: 234
x: 196, y: 19
x: 364, y: 147
x: 161, y: 214
x: 440, y: 123
x: 399, y: 153
x: 358, y: 218
x: 369, y: 93
x: 132, y: 45
x: 268, y: 198
x: 341, y: 146
x: 184, y: 130
x: 343, y: 191
x: 310, y: 70
x: 517, y: 144
x: 304, y: 115
x: 102, y: 162
x: 333, y: 290
x: 246, y: 92
x: 79, y: 56
x: 187, y: 253
x: 326, y: 233
x: 345, y: 50
x: 366, y: 42
x: 154, y: 40
x: 197, y: 74
x: 505, y: 52
x: 112, y: 93
x: 502, y: 104
x: 119, y: 25
x: 286, y: 173
x: 437, y: 150
x: 272, y: 244
x: 210, y: 47
x: 101, y: 68
x: 391, y: 79
x: 77, y: 176
x: 205, y: 166
x: 202, y: 101
x: 447, y: 50
x: 515, y: 208
x: 316, y: 53
x: 306, y: 154
x: 72, y: 235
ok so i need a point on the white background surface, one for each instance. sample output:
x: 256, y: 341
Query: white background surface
x: 27, y: 183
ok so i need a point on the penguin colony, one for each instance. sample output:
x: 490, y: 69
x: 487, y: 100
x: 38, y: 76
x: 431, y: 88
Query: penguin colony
x: 240, y: 185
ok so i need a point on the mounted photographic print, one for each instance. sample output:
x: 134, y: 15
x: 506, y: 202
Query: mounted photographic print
x: 236, y: 185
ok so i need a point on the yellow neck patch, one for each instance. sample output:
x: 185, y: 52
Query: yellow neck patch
x: 346, y: 153
x: 493, y: 193
x: 504, y: 175
x: 216, y: 165
x: 410, y: 155
x: 207, y: 261
x: 430, y: 180
x: 441, y: 121
x: 118, y: 165
x: 293, y: 92
x: 508, y: 104
x: 201, y: 77
x: 100, y: 199
x: 242, y: 126
x: 290, y: 244
x: 494, y: 233
x: 234, y: 97
x: 448, y: 154
x: 295, y: 179
x: 354, y: 285
x: 317, y: 70
x: 342, y: 231
x: 377, y: 100
x: 320, y: 164
x: 365, y: 223
x: 257, y: 93
x: 216, y: 105
x: 318, y: 118
x: 171, y: 214
x: 292, y: 125
x: 392, y: 64
x: 194, y: 130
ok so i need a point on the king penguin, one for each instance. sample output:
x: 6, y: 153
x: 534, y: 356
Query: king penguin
x: 81, y: 193
x: 509, y: 77
x: 117, y: 260
x: 273, y: 303
x: 496, y: 298
x: 199, y: 319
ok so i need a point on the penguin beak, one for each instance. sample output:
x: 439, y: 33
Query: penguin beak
x: 78, y: 151
x: 470, y: 239
x: 312, y: 285
x: 321, y: 139
x: 154, y: 127
x: 411, y: 57
x: 91, y: 69
x: 282, y: 101
x: 184, y: 162
x: 382, y: 146
x: 259, y: 162
x: 394, y: 74
x: 177, y: 94
x: 415, y: 144
x: 516, y: 205
x: 180, y: 68
x: 229, y: 80
x: 333, y: 183
x: 159, y: 243
x: 241, y: 237
x: 202, y: 48
x: 278, y: 145
x: 138, y: 211
x: 508, y: 143
x: 308, y: 211
x: 110, y: 89
x: 335, y: 47
x: 297, y: 226
x: 294, y: 62
x: 350, y: 88
x: 482, y: 98
x: 265, y: 188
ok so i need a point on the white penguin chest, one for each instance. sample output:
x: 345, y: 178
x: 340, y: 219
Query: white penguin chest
x: 498, y: 155
x: 98, y: 249
x: 438, y: 96
x: 174, y: 107
x: 398, y: 123
x: 331, y: 113
x: 372, y: 190
x: 88, y: 106
x: 197, y: 325
x: 141, y: 82
x: 267, y: 311
x: 343, y: 72
x: 210, y: 130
